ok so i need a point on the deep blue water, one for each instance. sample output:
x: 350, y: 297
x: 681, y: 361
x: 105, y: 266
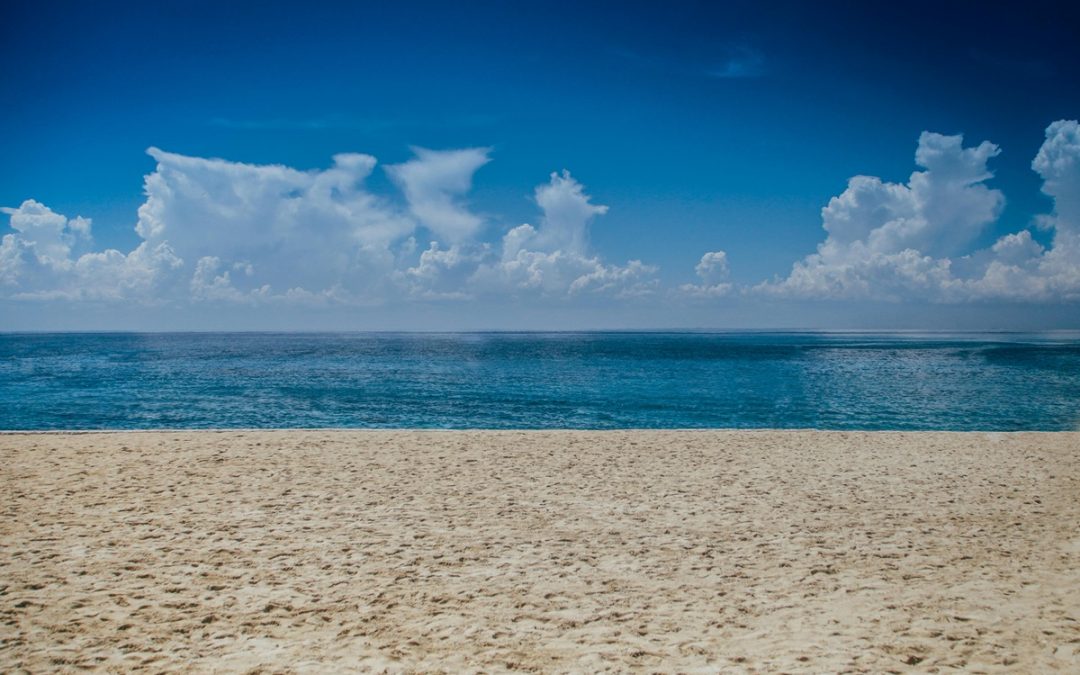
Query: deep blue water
x: 556, y: 380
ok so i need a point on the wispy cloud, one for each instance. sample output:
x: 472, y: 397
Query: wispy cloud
x: 742, y: 62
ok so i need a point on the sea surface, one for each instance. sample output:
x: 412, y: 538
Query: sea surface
x: 968, y: 381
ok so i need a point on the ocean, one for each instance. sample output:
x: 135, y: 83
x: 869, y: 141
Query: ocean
x: 617, y: 380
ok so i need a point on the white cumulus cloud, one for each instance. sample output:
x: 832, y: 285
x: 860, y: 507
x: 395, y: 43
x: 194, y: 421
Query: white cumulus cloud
x: 41, y: 260
x: 713, y: 271
x: 306, y: 230
x: 554, y: 258
x: 1058, y: 163
x: 220, y: 231
x: 911, y: 241
x: 567, y: 213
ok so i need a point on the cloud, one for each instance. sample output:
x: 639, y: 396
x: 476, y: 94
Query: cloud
x: 553, y: 258
x: 434, y: 183
x: 44, y: 240
x: 212, y: 282
x: 881, y: 235
x: 560, y: 273
x: 713, y: 272
x: 205, y: 220
x: 938, y: 211
x: 742, y: 62
x: 223, y: 232
x: 899, y: 242
x: 217, y: 231
x: 550, y: 260
x: 40, y: 260
x: 568, y: 211
x: 713, y: 267
x: 295, y: 229
x: 443, y: 274
x: 1058, y: 163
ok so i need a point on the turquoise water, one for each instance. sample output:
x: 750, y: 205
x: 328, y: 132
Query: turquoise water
x: 541, y: 380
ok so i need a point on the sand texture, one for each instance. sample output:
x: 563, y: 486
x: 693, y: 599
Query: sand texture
x: 540, y: 551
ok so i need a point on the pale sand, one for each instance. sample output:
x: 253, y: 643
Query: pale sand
x: 565, y: 551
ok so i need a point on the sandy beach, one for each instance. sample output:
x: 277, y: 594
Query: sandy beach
x: 336, y: 551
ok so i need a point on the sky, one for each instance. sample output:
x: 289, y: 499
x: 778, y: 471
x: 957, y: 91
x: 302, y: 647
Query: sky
x: 460, y: 166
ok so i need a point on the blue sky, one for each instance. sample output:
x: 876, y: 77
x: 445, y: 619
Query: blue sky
x: 703, y: 127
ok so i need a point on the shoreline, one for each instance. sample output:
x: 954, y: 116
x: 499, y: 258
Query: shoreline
x: 530, y: 430
x: 538, y: 550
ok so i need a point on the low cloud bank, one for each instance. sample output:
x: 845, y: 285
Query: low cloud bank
x: 220, y: 231
x: 216, y: 231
